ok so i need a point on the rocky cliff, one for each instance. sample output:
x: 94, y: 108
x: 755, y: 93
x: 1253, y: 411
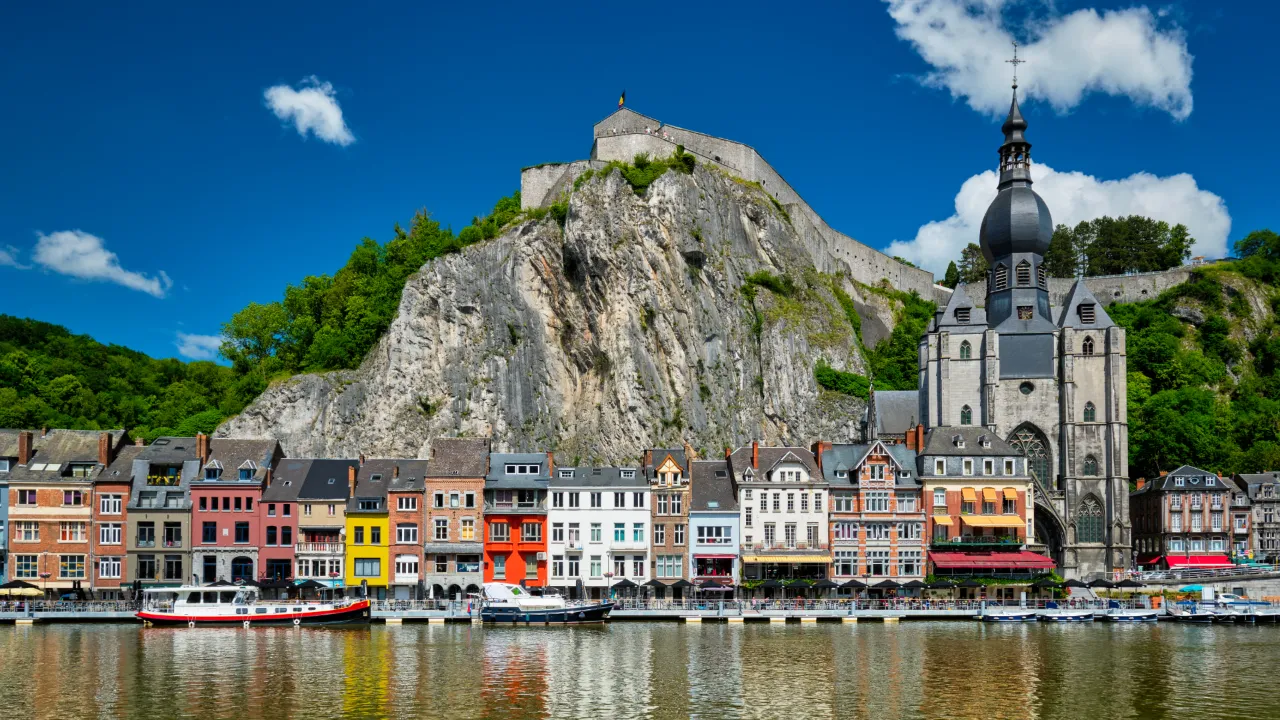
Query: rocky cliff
x: 634, y: 325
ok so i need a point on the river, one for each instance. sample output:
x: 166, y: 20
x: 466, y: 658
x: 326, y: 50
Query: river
x: 643, y: 670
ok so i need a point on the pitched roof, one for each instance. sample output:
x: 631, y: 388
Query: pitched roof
x: 121, y: 469
x: 1252, y: 483
x: 847, y: 458
x: 373, y: 479
x: 1079, y: 294
x: 400, y: 475
x: 712, y: 487
x: 598, y: 477
x: 657, y: 456
x: 170, y: 451
x: 1193, y: 478
x: 52, y: 451
x: 232, y: 454
x: 499, y: 479
x: 896, y: 411
x: 946, y: 317
x: 310, y: 479
x: 459, y: 457
x: 941, y: 440
x: 769, y: 458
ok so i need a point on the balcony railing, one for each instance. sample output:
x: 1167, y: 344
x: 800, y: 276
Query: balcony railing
x: 328, y: 548
x: 515, y: 506
x: 759, y: 547
x: 146, y: 543
x: 628, y: 545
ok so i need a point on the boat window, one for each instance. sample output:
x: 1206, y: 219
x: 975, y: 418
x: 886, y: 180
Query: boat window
x: 242, y: 611
x: 297, y: 609
x: 193, y: 598
x: 260, y: 610
x: 281, y: 609
x: 226, y: 597
x: 211, y: 597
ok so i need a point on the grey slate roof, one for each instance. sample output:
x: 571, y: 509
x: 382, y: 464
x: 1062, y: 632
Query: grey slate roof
x: 400, y: 475
x: 896, y: 411
x: 121, y: 469
x: 946, y: 317
x: 606, y: 477
x: 165, y: 451
x: 1193, y: 479
x: 309, y: 479
x: 373, y: 479
x: 1252, y: 483
x: 56, y: 447
x: 770, y: 457
x: 940, y: 441
x: 498, y: 479
x: 459, y: 457
x: 231, y: 454
x: 712, y: 487
x: 657, y: 456
x: 1069, y: 317
x: 846, y: 458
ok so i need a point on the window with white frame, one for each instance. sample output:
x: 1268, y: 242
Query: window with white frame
x: 109, y: 568
x: 939, y: 498
x: 909, y: 562
x: 842, y: 502
x: 407, y: 532
x: 846, y: 562
x: 557, y: 532
x: 1008, y: 466
x: 967, y: 464
x: 877, y: 531
x: 557, y: 566
x: 877, y: 501
x: 110, y: 534
x: 406, y: 565
x: 845, y: 530
x: 1175, y: 544
x: 988, y: 466
x: 746, y: 516
x: 906, y: 503
x: 71, y: 532
x: 596, y: 532
x: 877, y: 562
x: 939, y: 466
x: 817, y: 502
x: 109, y: 504
x: 679, y: 534
x: 404, y: 503
x: 715, y: 534
x: 26, y: 531
x: 659, y: 534
x: 877, y: 472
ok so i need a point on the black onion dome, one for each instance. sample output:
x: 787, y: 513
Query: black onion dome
x: 1017, y: 221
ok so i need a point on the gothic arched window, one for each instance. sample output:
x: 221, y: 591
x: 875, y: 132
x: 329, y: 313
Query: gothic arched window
x: 1001, y: 275
x: 1089, y: 521
x: 1024, y: 274
x: 1090, y: 412
x: 1086, y: 347
x: 1033, y: 444
x: 966, y: 415
x: 1090, y: 465
x: 966, y: 350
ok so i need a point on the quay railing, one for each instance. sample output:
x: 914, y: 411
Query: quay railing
x: 67, y: 606
x: 455, y: 607
x: 734, y: 607
x: 1206, y: 573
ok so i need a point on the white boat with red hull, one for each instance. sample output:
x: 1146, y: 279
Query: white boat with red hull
x: 194, y: 605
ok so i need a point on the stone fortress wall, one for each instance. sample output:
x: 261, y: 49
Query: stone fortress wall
x: 625, y: 134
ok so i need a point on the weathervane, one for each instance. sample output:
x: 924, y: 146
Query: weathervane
x: 1015, y: 62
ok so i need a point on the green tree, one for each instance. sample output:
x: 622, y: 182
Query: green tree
x: 952, y: 278
x: 1134, y: 244
x: 254, y: 335
x: 973, y: 264
x: 1063, y: 258
x: 1260, y: 243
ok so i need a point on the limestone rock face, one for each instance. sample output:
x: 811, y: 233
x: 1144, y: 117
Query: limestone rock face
x: 627, y: 328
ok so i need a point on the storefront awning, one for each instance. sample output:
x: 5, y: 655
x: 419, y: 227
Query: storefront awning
x: 989, y: 495
x: 1198, y: 561
x: 816, y: 558
x: 1022, y: 560
x: 1010, y: 494
x: 992, y: 521
x: 968, y: 495
x: 942, y: 520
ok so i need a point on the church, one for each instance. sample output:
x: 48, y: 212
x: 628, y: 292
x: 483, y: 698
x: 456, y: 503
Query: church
x: 1050, y: 379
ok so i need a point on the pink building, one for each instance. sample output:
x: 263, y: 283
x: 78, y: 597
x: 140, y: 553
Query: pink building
x: 226, y: 520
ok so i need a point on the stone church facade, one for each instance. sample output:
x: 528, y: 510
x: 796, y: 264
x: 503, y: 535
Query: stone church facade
x: 1049, y: 379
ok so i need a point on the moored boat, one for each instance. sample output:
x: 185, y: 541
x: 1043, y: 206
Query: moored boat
x: 1053, y: 613
x: 1009, y: 616
x: 1115, y: 613
x: 504, y: 603
x: 194, y: 605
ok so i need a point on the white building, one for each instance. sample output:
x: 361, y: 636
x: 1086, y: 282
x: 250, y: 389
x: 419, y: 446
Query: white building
x: 600, y: 525
x: 782, y: 504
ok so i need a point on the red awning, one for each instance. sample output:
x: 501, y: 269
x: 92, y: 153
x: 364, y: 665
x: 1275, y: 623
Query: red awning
x: 1022, y: 560
x: 714, y: 557
x: 1198, y: 561
x: 1149, y: 559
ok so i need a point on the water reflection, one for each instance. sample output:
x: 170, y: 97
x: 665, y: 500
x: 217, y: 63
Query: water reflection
x: 651, y: 670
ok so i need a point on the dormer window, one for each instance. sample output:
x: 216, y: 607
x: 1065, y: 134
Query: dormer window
x: 212, y: 473
x: 1001, y: 274
x: 628, y: 474
x: 1088, y: 313
x: 842, y: 474
x: 962, y: 316
x: 984, y: 441
x: 4, y: 464
x: 246, y: 474
x: 957, y: 440
x: 1177, y: 482
x: 565, y: 474
x: 1024, y: 274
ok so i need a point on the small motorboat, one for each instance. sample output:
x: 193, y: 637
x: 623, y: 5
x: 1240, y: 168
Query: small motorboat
x: 1053, y: 613
x: 1115, y: 613
x: 1192, y: 612
x: 1008, y: 616
x: 505, y: 603
x: 194, y: 605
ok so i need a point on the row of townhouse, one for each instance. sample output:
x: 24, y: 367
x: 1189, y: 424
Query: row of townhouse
x: 1195, y: 518
x: 93, y: 512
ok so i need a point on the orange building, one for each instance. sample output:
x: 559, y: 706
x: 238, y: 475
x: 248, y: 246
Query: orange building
x: 515, y: 518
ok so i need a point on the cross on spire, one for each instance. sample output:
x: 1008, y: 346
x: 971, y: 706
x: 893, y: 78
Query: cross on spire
x: 1015, y: 62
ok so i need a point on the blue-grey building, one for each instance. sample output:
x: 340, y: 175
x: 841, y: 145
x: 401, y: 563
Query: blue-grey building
x: 713, y: 524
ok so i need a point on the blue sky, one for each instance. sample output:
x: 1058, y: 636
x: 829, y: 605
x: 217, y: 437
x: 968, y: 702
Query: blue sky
x: 149, y: 190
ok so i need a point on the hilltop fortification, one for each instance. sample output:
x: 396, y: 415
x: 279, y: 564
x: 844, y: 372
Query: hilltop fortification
x: 626, y: 133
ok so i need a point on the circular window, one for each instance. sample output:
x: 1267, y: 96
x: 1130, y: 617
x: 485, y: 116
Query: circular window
x: 1026, y: 388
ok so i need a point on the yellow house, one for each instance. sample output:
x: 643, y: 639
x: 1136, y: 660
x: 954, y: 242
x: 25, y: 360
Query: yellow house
x: 368, y: 538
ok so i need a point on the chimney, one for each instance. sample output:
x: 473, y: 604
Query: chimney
x: 269, y: 473
x: 351, y: 479
x: 728, y: 452
x: 551, y: 463
x: 44, y: 432
x: 755, y: 454
x: 361, y: 459
x: 202, y: 448
x: 920, y: 438
x: 1141, y: 482
x: 139, y: 442
x: 25, y: 439
x: 104, y: 449
x: 395, y: 472
x: 818, y: 448
x: 1163, y: 473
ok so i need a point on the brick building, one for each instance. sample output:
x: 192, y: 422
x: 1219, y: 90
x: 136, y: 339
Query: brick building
x: 453, y: 533
x: 111, y: 490
x: 1180, y: 520
x: 51, y: 474
x: 406, y: 487
x: 226, y: 525
x: 668, y: 473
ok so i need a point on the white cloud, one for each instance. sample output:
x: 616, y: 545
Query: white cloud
x: 1119, y: 52
x: 81, y: 255
x: 9, y: 256
x: 313, y: 108
x: 198, y: 347
x: 1074, y: 197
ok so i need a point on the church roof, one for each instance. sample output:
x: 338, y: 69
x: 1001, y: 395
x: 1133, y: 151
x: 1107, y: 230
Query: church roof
x: 1078, y: 295
x: 896, y: 411
x: 960, y: 300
